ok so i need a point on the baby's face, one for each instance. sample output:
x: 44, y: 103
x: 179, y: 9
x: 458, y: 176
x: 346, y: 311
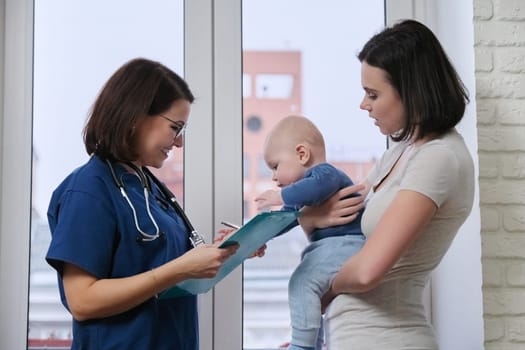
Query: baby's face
x: 284, y: 163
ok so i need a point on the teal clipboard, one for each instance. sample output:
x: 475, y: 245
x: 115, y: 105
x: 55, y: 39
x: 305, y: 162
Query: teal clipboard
x: 256, y: 232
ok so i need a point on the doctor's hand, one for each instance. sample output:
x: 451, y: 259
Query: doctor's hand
x: 205, y: 261
x: 259, y: 253
x: 340, y: 209
x: 223, y: 233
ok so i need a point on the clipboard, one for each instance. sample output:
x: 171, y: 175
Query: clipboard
x: 251, y: 236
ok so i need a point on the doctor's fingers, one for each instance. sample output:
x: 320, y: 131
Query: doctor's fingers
x: 205, y: 261
x: 259, y: 252
x: 222, y: 234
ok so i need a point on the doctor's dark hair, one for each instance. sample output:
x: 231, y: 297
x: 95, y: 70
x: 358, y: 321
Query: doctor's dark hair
x: 417, y: 67
x: 141, y: 88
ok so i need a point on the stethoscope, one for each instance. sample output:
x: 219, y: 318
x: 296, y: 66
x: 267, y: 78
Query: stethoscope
x: 144, y: 175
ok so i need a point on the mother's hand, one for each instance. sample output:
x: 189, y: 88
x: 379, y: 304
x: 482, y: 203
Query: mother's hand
x: 327, y: 299
x: 337, y: 210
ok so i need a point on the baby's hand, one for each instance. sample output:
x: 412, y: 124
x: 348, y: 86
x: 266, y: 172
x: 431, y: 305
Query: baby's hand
x: 268, y: 198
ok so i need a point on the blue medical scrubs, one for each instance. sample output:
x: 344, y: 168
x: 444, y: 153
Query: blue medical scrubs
x: 93, y: 228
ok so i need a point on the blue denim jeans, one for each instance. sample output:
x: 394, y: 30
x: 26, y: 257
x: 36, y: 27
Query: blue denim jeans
x: 320, y: 261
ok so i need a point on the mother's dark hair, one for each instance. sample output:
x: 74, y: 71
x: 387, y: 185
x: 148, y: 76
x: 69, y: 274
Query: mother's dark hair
x: 141, y: 88
x: 415, y: 64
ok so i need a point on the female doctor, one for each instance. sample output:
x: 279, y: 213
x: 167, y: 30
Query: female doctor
x: 117, y: 239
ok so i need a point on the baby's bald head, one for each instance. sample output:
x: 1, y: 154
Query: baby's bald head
x: 294, y: 130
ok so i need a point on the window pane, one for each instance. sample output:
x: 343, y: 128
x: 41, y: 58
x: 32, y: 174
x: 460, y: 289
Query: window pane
x: 78, y: 45
x: 301, y: 57
x: 274, y: 86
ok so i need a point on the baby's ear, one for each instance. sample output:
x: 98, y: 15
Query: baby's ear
x: 303, y: 153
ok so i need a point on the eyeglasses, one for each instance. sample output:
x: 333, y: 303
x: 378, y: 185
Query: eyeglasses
x: 179, y: 127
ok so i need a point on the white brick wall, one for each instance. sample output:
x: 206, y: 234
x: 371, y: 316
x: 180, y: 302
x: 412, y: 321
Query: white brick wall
x: 499, y: 31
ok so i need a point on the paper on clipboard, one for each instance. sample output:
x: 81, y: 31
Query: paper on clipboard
x: 256, y: 232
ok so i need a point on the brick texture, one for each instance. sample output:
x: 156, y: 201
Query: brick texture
x: 499, y: 36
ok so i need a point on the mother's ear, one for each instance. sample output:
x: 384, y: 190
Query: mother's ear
x: 303, y: 153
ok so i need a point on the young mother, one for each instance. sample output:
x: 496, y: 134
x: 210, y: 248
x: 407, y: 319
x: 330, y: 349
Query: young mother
x: 417, y: 196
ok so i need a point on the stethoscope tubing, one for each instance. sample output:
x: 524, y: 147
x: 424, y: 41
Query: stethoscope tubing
x: 144, y: 175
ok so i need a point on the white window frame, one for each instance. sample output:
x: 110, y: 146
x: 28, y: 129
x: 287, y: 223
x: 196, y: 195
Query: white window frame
x: 16, y: 72
x: 213, y: 150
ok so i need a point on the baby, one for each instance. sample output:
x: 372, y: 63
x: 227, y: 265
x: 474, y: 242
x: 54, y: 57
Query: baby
x: 295, y: 152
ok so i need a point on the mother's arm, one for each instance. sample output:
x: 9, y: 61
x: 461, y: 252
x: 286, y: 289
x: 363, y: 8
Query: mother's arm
x: 400, y: 225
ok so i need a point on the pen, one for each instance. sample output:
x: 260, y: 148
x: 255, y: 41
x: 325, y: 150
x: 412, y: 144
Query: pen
x: 228, y: 224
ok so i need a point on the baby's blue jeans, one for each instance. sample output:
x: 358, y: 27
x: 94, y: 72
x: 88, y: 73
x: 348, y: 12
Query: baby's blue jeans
x: 320, y: 261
